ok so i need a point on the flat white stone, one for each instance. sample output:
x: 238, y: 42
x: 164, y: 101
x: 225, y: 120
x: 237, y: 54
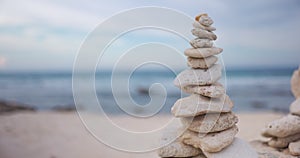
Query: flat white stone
x: 202, y: 52
x: 202, y: 63
x: 195, y: 105
x: 198, y: 76
x: 210, y: 122
x: 215, y: 90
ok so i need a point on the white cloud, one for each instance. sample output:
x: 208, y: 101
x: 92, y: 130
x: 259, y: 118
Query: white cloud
x: 45, y: 13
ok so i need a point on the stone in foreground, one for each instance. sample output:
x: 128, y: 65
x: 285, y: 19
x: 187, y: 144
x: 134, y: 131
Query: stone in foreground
x: 210, y: 122
x: 286, y: 126
x: 238, y: 149
x: 211, y: 142
x: 213, y: 91
x: 198, y: 76
x: 195, y: 105
x: 295, y: 107
x: 294, y: 148
x: 202, y: 63
x: 283, y: 142
x: 202, y: 52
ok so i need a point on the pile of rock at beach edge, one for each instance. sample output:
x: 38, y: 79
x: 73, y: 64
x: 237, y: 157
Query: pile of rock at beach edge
x: 284, y: 133
x: 211, y: 126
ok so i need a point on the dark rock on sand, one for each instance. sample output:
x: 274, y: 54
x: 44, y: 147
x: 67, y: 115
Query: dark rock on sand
x: 6, y: 107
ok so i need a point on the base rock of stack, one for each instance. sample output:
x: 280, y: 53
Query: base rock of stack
x: 195, y: 105
x: 202, y: 52
x: 210, y: 122
x: 286, y: 126
x: 210, y: 142
x: 198, y: 76
x: 215, y: 90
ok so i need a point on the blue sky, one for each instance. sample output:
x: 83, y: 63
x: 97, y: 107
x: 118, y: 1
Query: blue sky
x: 45, y: 35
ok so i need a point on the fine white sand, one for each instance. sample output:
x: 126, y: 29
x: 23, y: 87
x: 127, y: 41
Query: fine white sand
x: 62, y: 135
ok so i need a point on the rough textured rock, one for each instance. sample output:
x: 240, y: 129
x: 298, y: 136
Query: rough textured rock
x: 286, y: 126
x: 196, y: 24
x: 204, y: 34
x: 202, y: 63
x: 294, y: 148
x: 211, y: 142
x: 198, y: 76
x: 202, y: 52
x: 201, y: 43
x: 283, y: 142
x: 237, y: 149
x: 176, y: 148
x: 295, y: 107
x: 215, y: 90
x: 264, y: 151
x: 205, y: 20
x: 195, y: 105
x: 210, y: 122
x: 295, y: 83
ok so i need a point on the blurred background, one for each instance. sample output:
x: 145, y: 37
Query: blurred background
x: 39, y: 41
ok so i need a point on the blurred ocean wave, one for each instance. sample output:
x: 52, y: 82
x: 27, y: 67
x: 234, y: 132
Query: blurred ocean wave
x: 250, y: 89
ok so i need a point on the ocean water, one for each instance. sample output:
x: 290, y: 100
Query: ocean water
x: 250, y: 89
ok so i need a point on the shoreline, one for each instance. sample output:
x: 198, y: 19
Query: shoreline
x: 62, y: 134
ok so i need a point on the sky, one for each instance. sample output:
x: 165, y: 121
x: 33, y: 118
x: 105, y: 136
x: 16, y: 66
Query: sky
x: 46, y: 35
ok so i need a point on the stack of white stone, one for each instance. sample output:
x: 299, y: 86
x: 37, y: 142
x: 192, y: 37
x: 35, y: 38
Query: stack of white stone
x: 284, y: 133
x: 211, y: 126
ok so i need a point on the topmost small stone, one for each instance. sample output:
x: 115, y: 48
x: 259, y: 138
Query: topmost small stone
x: 204, y: 19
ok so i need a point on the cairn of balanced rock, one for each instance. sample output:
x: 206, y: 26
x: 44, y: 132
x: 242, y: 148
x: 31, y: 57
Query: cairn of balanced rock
x: 284, y: 133
x: 211, y: 125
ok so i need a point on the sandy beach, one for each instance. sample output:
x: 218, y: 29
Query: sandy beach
x: 62, y: 135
